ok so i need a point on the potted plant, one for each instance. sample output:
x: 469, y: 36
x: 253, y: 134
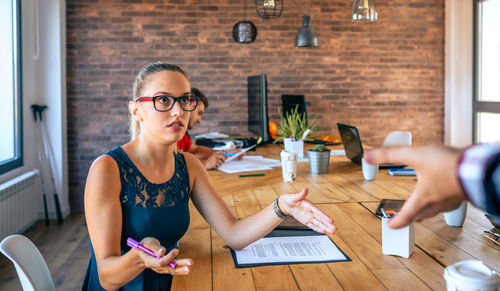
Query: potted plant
x: 319, y: 159
x: 291, y: 129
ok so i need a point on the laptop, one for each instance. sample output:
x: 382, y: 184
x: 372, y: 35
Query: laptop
x: 353, y: 146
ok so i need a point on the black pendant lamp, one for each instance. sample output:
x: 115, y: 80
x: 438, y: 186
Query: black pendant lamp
x: 364, y: 11
x: 244, y: 31
x: 269, y: 8
x: 306, y: 36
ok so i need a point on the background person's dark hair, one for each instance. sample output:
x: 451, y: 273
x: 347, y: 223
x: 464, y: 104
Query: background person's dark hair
x: 197, y: 93
x: 141, y: 79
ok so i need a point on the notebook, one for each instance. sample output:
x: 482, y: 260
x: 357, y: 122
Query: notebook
x: 353, y: 146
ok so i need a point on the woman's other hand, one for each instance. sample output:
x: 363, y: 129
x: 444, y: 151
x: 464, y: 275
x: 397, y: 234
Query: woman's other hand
x: 162, y: 265
x: 304, y: 211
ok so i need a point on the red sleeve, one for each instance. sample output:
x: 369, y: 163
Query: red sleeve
x: 185, y: 143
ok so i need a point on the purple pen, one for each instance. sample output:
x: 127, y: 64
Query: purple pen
x: 136, y: 245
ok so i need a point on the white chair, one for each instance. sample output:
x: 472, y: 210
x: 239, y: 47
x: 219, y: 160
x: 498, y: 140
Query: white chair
x: 397, y: 138
x: 30, y: 265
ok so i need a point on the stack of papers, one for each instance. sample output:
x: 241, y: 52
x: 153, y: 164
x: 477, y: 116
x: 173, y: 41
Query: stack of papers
x: 249, y: 163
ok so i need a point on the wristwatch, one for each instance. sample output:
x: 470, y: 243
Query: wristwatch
x: 278, y: 211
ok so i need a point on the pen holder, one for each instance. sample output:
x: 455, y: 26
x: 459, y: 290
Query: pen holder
x: 398, y: 242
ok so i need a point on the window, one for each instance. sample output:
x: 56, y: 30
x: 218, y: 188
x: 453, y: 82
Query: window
x: 10, y: 86
x: 486, y: 103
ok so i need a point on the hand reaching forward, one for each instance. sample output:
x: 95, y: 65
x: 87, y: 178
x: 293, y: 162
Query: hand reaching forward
x: 437, y: 189
x: 215, y: 160
x: 162, y: 265
x: 304, y: 211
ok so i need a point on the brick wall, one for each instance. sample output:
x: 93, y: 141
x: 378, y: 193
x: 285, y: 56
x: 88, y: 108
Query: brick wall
x: 379, y: 76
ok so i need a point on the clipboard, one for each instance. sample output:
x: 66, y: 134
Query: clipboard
x: 291, y: 233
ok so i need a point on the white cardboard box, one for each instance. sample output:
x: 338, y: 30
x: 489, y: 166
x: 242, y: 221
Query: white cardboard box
x: 398, y: 242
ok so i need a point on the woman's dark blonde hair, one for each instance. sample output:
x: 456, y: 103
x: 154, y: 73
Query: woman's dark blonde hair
x: 139, y: 83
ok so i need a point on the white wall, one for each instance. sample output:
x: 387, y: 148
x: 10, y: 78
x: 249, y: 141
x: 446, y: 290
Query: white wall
x: 44, y: 82
x: 458, y: 72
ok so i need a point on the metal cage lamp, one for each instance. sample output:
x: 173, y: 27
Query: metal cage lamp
x: 244, y: 31
x: 269, y: 8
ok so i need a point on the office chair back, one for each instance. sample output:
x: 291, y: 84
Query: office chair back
x: 397, y: 138
x: 30, y: 265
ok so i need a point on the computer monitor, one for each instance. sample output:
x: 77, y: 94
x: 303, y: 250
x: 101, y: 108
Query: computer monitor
x: 289, y: 102
x: 257, y: 107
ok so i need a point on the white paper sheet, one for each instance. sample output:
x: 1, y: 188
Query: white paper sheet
x: 290, y: 249
x: 239, y: 154
x: 249, y: 163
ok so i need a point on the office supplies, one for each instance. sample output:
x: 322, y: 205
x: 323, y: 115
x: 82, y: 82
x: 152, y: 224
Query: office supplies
x: 305, y: 134
x: 353, y: 146
x: 398, y: 242
x: 493, y: 236
x: 230, y: 154
x: 401, y: 172
x: 283, y: 247
x: 136, y: 245
x: 492, y: 221
x: 252, y: 175
x: 393, y: 204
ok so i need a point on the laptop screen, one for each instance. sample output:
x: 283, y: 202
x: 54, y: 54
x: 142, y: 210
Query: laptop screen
x: 352, y: 143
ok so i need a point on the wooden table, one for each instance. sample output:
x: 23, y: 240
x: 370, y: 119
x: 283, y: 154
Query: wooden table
x: 351, y: 202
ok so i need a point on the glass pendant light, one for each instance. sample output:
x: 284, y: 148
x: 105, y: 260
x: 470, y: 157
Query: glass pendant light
x: 306, y: 36
x: 364, y: 11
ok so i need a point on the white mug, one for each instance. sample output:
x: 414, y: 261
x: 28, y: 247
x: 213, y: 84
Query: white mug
x: 369, y: 170
x: 456, y: 217
x: 471, y: 275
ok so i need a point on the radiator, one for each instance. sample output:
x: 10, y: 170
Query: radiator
x: 20, y: 201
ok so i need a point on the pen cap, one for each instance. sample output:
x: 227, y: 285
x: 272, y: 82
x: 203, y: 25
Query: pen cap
x: 132, y: 243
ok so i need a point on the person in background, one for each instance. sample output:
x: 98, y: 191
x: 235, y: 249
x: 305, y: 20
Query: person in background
x: 142, y: 188
x: 446, y: 177
x: 210, y: 158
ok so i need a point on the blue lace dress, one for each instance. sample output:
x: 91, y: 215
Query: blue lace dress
x: 156, y: 210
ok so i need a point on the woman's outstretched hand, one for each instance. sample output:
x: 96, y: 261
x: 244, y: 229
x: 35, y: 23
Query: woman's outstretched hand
x: 304, y: 211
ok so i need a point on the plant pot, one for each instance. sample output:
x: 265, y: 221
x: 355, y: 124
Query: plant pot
x: 294, y: 146
x: 318, y: 161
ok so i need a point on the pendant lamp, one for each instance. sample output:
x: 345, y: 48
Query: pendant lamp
x: 364, y: 11
x: 306, y: 36
x: 269, y: 8
x: 244, y: 31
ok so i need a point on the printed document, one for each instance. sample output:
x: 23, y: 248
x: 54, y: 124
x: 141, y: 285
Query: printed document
x: 249, y: 163
x: 290, y: 249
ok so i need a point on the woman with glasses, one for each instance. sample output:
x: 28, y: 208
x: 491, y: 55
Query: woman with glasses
x: 141, y: 190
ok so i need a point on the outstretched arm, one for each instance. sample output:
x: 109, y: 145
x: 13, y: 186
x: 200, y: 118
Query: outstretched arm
x: 238, y: 233
x: 438, y: 188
